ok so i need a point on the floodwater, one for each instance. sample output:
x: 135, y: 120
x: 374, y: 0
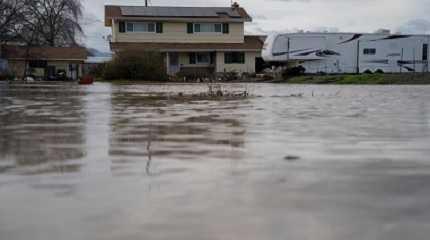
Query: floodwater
x: 130, y: 162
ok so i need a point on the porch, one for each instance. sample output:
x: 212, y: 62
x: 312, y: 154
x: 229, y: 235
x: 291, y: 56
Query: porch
x: 201, y: 64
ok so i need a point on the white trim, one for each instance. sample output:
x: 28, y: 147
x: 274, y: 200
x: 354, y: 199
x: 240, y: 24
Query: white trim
x: 157, y: 19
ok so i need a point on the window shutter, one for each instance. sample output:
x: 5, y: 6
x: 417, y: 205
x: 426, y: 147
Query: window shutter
x: 121, y: 26
x: 190, y: 28
x: 159, y: 27
x: 192, y: 58
x: 225, y: 28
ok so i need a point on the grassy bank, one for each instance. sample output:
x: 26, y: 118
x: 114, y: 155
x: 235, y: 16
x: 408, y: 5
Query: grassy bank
x: 406, y: 78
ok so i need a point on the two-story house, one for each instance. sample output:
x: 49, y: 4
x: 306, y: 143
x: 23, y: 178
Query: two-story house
x: 203, y: 38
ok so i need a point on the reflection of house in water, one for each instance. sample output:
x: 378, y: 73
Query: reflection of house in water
x: 41, y: 131
x: 155, y: 128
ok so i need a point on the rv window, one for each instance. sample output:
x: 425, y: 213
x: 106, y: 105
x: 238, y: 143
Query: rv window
x: 280, y: 45
x: 425, y: 52
x: 369, y: 51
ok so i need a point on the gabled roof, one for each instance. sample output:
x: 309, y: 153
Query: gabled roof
x: 251, y: 43
x: 14, y: 52
x: 116, y: 12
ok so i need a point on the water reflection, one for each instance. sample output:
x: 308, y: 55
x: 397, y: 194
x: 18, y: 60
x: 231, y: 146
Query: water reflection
x: 41, y: 129
x: 152, y: 127
x: 130, y: 162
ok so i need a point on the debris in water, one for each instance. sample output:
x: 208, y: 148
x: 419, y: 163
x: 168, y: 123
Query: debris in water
x: 291, y: 158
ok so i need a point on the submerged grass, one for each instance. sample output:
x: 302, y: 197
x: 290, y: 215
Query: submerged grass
x: 410, y: 78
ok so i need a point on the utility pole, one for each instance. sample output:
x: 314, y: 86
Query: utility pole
x: 146, y: 3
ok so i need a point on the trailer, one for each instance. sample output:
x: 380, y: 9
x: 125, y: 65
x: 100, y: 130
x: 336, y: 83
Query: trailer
x: 349, y: 52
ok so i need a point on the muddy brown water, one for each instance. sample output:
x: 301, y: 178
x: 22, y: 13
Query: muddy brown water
x: 131, y: 162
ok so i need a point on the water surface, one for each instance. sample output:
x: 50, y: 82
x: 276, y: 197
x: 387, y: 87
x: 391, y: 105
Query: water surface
x: 132, y: 162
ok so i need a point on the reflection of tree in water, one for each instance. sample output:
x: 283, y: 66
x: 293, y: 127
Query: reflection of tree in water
x: 159, y: 128
x: 41, y: 129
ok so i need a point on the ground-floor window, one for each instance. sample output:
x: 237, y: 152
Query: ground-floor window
x: 234, y: 58
x: 201, y: 58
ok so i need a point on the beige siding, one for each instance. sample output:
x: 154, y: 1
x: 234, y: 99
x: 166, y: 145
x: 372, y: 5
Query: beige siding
x: 177, y: 32
x: 248, y: 66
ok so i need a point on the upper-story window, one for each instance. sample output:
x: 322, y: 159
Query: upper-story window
x: 208, y: 27
x: 223, y: 28
x: 141, y: 27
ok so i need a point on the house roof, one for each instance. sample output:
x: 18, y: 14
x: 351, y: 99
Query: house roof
x: 251, y: 43
x: 14, y: 52
x: 115, y: 12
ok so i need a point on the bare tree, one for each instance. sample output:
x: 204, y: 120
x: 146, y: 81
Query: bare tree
x: 10, y: 16
x: 59, y: 20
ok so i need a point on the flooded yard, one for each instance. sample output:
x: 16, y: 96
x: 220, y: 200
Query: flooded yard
x: 289, y: 162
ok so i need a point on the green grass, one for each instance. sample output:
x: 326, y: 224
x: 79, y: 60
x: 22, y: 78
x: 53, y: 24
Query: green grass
x: 409, y: 78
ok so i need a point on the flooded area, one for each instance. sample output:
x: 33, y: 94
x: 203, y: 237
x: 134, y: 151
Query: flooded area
x: 130, y: 162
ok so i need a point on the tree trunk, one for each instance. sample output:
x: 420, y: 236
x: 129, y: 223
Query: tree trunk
x: 27, y: 55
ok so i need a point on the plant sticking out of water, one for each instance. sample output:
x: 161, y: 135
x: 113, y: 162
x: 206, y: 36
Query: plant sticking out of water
x: 216, y: 92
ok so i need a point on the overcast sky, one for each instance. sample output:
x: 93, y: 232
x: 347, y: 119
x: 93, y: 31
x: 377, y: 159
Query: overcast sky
x: 406, y: 16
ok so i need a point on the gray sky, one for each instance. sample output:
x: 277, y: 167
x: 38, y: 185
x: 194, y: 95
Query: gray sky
x: 406, y: 16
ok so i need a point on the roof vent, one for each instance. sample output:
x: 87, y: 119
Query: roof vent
x: 235, y: 5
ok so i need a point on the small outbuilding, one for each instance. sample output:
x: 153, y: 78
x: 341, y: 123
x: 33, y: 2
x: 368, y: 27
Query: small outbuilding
x: 45, y: 63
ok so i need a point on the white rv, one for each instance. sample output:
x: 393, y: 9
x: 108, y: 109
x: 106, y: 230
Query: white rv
x: 349, y: 52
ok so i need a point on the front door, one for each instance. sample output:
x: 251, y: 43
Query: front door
x: 174, y: 63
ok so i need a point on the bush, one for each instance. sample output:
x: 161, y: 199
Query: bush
x: 98, y: 71
x: 135, y: 65
x: 368, y: 71
x: 379, y: 71
x: 293, y: 72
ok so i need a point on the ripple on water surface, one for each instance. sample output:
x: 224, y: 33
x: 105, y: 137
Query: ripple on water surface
x: 290, y: 162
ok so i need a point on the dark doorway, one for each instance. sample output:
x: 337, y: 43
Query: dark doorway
x: 260, y: 65
x: 50, y: 72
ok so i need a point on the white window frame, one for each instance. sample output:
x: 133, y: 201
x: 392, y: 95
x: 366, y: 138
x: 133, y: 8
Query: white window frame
x: 221, y: 25
x: 147, y: 23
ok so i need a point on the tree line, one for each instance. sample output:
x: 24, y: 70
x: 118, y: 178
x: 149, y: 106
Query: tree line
x: 40, y: 22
